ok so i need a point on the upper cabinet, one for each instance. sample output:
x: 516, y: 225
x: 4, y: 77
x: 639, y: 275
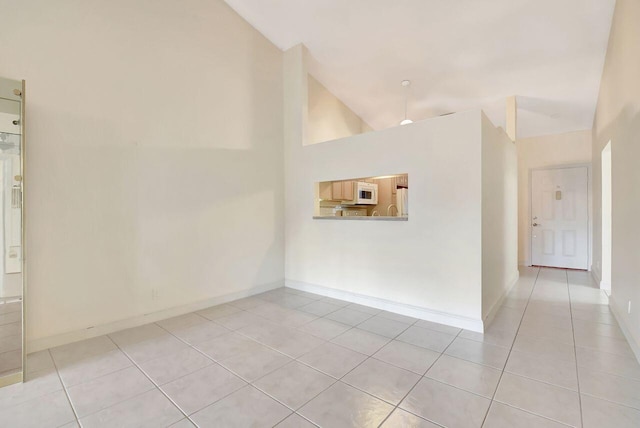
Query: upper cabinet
x: 342, y: 190
x: 399, y: 181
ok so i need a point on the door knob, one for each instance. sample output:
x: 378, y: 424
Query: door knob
x: 535, y: 224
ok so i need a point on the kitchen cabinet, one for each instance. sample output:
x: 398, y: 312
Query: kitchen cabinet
x: 342, y: 190
x: 400, y: 181
x: 325, y: 191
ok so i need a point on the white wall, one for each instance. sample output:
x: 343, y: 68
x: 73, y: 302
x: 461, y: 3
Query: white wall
x: 499, y: 216
x: 330, y: 118
x: 432, y: 261
x: 617, y: 120
x: 537, y: 152
x: 154, y: 156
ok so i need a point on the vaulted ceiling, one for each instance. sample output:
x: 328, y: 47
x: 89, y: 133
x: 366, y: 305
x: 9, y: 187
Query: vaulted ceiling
x: 458, y: 54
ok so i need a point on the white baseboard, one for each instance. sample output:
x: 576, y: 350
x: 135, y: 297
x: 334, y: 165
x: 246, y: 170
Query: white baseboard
x: 595, y: 274
x: 597, y: 277
x: 388, y: 305
x: 488, y: 319
x: 87, y: 333
x: 634, y: 342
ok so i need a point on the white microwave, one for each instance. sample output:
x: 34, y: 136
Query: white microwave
x: 366, y: 193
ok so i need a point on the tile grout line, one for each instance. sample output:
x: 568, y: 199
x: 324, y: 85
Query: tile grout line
x: 156, y: 386
x: 64, y: 387
x: 358, y: 365
x: 344, y: 347
x: 535, y: 282
x: 539, y: 381
x: 575, y: 352
x: 214, y: 361
x: 297, y: 359
x: 419, y: 380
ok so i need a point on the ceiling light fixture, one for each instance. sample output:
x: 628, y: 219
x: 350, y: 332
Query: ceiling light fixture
x: 405, y: 84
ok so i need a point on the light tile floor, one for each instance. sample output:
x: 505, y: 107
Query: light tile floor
x: 553, y: 357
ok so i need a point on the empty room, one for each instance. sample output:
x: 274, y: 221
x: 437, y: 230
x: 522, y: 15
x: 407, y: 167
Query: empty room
x: 320, y: 213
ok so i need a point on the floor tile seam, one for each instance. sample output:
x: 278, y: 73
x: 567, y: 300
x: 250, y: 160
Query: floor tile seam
x: 391, y: 364
x: 81, y: 357
x: 604, y: 335
x: 189, y: 417
x: 414, y: 322
x: 488, y: 343
x: 333, y: 379
x: 534, y: 413
x: 419, y: 380
x: 431, y: 349
x: 636, y: 379
x: 101, y: 376
x: 375, y: 315
x: 250, y: 382
x: 434, y: 330
x: 389, y: 340
x: 319, y: 316
x: 339, y: 380
x: 575, y: 352
x: 542, y: 381
x: 466, y: 361
x: 352, y: 326
x: 155, y: 385
x: 342, y: 380
x: 396, y: 408
x: 637, y: 409
x: 120, y: 402
x: 392, y: 338
x: 608, y: 353
x: 66, y: 393
x: 276, y: 350
x: 511, y: 347
x: 306, y: 419
x: 214, y: 361
x: 591, y: 348
x: 537, y: 355
x: 623, y: 343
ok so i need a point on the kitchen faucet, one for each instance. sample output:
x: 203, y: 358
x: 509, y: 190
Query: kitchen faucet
x: 389, y: 209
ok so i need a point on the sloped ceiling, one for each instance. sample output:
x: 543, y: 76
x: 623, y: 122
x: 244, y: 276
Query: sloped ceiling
x: 458, y: 54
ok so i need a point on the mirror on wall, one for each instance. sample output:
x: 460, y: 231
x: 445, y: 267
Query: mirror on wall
x: 11, y: 231
x: 383, y: 197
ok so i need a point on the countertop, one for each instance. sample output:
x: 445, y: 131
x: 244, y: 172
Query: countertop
x: 355, y: 217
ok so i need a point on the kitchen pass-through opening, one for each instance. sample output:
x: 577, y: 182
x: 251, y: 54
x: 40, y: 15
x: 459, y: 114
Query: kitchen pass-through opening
x: 370, y: 198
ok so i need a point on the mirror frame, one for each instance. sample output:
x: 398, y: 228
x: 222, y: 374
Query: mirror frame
x: 19, y: 376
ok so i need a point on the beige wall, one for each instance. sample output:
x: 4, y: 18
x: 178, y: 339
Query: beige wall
x: 155, y: 162
x: 330, y: 118
x: 549, y: 150
x: 499, y: 216
x: 617, y: 120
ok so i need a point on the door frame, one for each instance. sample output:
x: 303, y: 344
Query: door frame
x: 589, y: 207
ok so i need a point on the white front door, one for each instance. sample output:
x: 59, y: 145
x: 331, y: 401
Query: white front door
x: 560, y: 217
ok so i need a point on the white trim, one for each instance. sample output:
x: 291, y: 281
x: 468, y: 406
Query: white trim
x: 87, y: 333
x: 388, y: 305
x: 633, y: 342
x: 589, y: 207
x: 496, y: 306
x: 595, y: 274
